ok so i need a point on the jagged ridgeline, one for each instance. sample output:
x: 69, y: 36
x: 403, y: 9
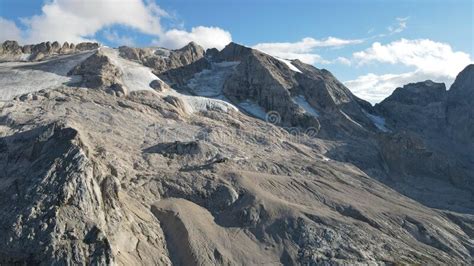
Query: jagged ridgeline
x: 234, y: 157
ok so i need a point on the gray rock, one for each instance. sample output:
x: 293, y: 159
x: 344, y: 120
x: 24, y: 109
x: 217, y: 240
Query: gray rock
x: 459, y: 107
x: 87, y: 46
x: 160, y: 61
x: 97, y: 71
x: 417, y: 106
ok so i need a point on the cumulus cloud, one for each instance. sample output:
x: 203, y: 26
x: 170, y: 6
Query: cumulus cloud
x: 80, y: 20
x: 9, y: 30
x: 374, y: 88
x: 77, y: 20
x: 425, y: 55
x: 115, y: 38
x: 303, y: 49
x: 429, y: 59
x: 207, y: 37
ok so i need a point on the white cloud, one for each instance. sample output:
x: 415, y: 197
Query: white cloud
x: 399, y: 27
x: 429, y: 59
x: 79, y: 20
x: 9, y: 30
x: 304, y: 49
x: 425, y: 55
x: 343, y: 61
x: 374, y: 88
x: 75, y: 20
x: 115, y: 38
x: 207, y: 37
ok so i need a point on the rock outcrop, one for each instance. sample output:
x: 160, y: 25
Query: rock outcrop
x: 432, y: 127
x: 11, y: 51
x: 98, y: 71
x: 459, y: 107
x: 419, y: 107
x: 161, y: 60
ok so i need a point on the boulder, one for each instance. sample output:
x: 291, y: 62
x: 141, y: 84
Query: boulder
x: 97, y: 71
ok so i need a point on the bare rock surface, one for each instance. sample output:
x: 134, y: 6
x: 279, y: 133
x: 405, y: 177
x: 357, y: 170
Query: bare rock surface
x: 460, y: 114
x: 162, y: 60
x: 434, y: 126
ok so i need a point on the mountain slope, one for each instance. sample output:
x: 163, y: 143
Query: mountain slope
x: 123, y: 166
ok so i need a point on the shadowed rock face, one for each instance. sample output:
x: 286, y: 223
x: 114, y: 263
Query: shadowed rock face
x: 88, y: 177
x: 418, y: 106
x: 433, y: 128
x: 459, y: 107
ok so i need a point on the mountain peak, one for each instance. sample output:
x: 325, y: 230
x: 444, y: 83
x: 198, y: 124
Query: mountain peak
x: 192, y: 46
x: 420, y: 93
x: 464, y: 80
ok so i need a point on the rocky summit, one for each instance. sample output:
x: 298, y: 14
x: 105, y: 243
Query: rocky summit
x: 152, y: 156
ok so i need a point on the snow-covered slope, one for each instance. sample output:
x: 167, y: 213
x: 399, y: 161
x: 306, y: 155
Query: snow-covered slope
x: 253, y: 108
x: 24, y: 77
x: 289, y: 64
x: 303, y: 103
x: 210, y: 82
x: 136, y: 77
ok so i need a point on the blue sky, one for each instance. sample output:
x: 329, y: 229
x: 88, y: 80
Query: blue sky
x: 375, y: 45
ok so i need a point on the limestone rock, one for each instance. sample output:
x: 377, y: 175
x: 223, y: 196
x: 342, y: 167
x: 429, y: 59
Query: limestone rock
x: 98, y: 71
x: 162, y: 60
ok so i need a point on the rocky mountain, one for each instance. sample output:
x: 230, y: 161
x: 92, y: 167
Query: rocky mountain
x: 183, y: 157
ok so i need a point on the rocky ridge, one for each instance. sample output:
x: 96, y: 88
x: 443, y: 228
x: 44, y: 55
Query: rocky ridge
x: 12, y: 51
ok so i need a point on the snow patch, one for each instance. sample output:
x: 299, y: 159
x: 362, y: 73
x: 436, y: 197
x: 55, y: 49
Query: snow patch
x: 253, y: 109
x: 303, y: 103
x: 289, y: 64
x: 210, y: 82
x: 161, y: 52
x: 198, y: 104
x: 19, y: 78
x: 378, y: 121
x: 350, y: 119
x: 136, y: 77
x: 25, y: 57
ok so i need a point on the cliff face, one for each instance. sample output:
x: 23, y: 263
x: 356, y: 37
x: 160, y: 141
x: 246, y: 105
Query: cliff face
x: 459, y: 111
x: 438, y: 124
x: 227, y: 157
